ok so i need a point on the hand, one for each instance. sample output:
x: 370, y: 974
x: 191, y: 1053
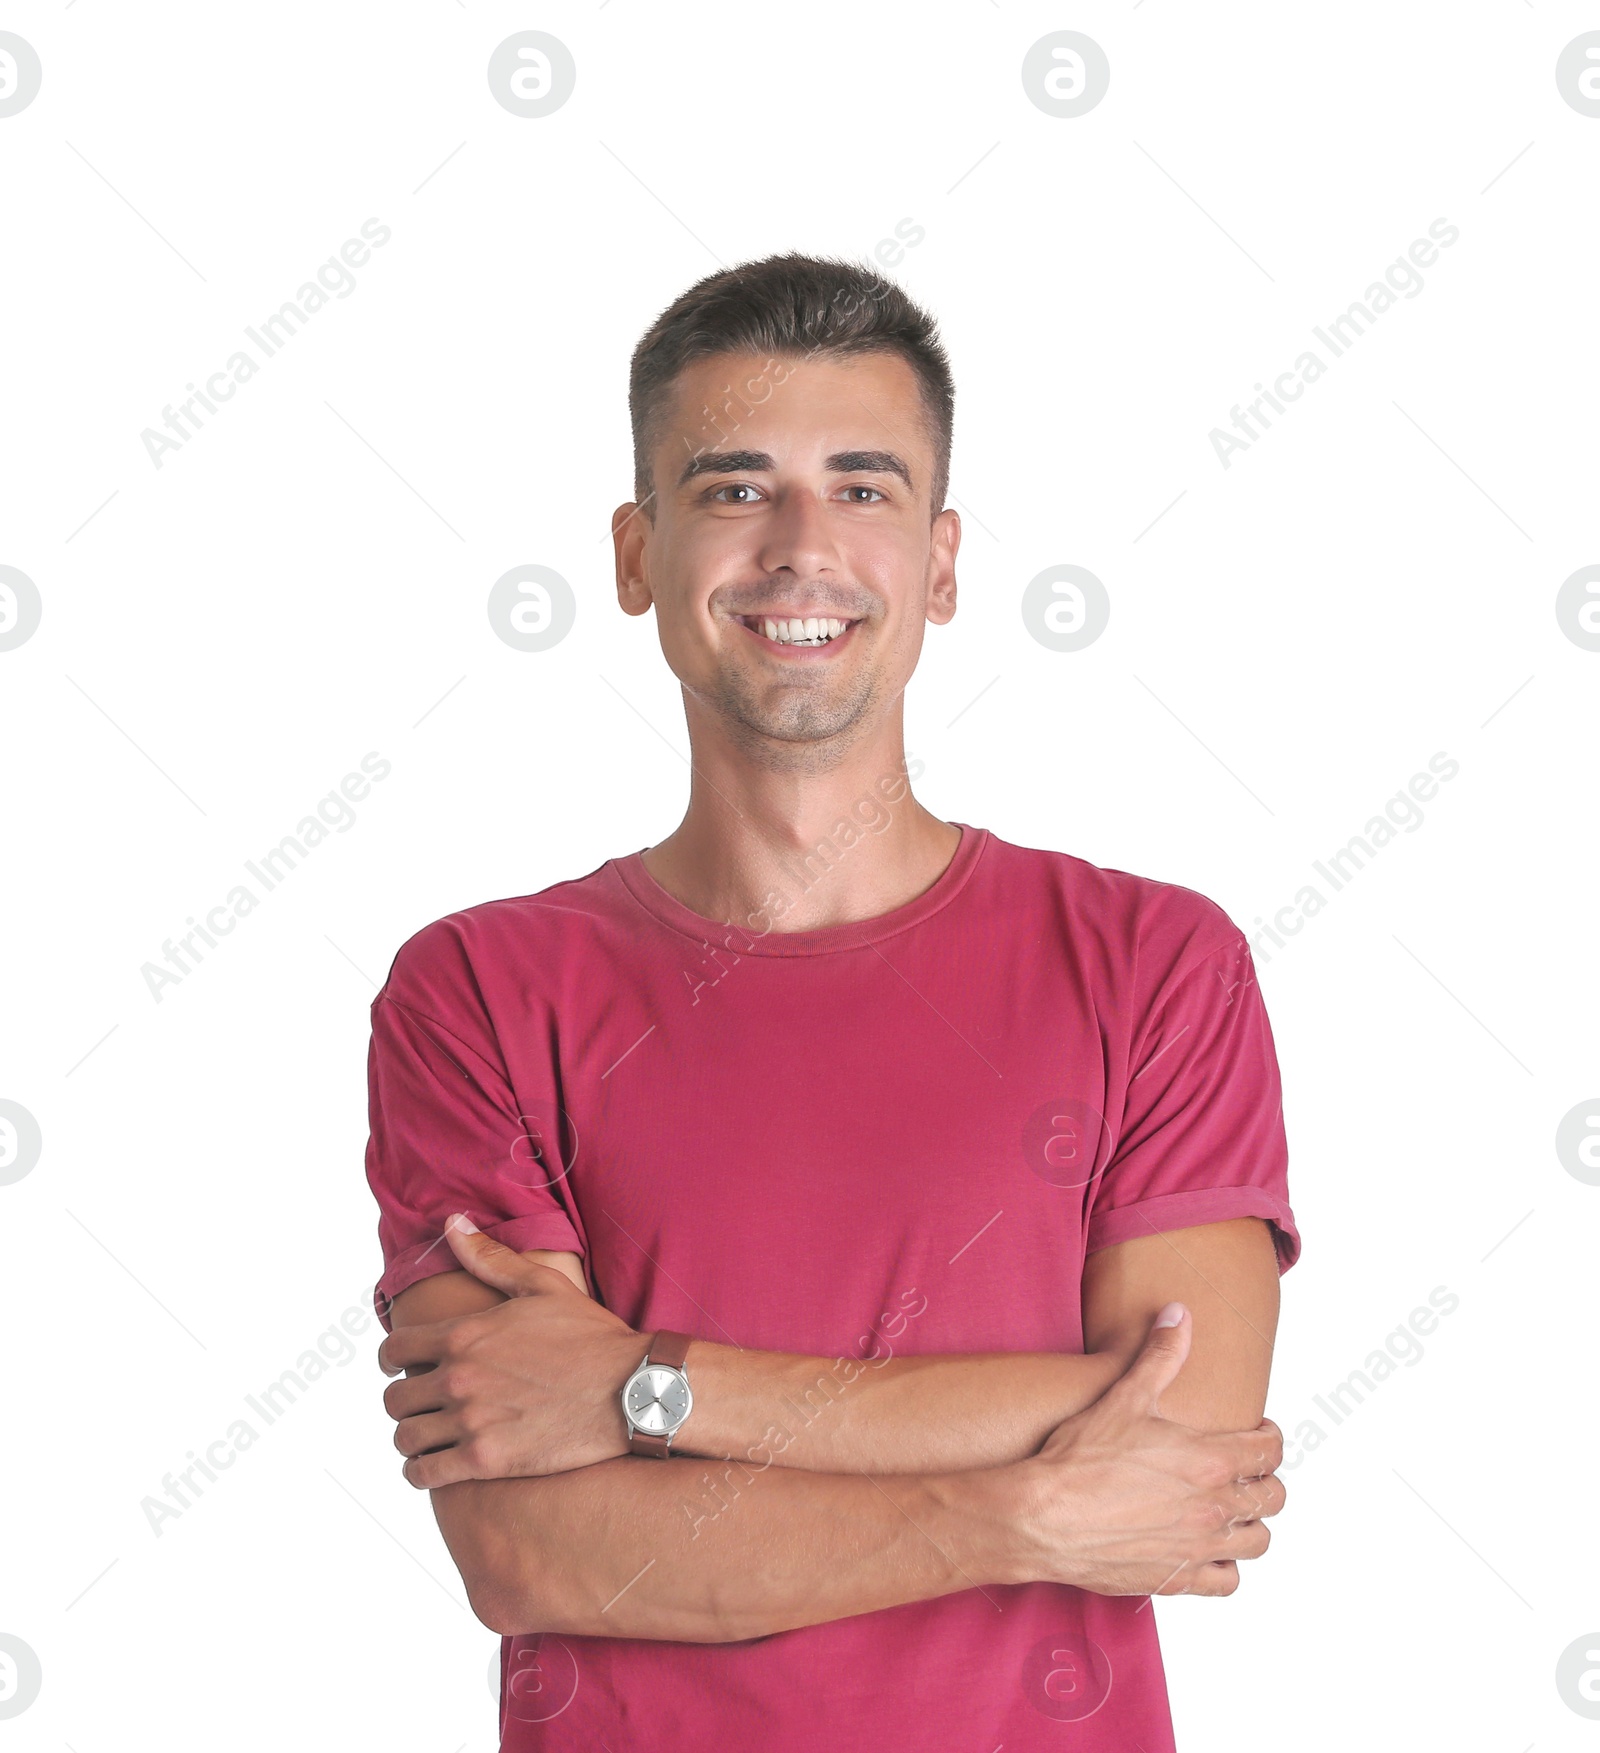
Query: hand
x: 1121, y: 1501
x: 528, y: 1387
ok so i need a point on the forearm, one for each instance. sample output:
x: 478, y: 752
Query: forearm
x: 895, y: 1415
x: 689, y: 1552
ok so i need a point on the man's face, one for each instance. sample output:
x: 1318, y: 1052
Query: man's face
x: 791, y: 491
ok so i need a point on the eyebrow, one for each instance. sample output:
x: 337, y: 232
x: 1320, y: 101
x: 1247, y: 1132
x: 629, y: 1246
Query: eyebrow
x: 753, y: 462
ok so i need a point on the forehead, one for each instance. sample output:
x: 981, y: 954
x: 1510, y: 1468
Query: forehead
x: 796, y: 408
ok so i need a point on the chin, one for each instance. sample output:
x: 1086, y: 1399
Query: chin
x: 798, y: 742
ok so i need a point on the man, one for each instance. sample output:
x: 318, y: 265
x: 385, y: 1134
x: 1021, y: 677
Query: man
x: 835, y: 1252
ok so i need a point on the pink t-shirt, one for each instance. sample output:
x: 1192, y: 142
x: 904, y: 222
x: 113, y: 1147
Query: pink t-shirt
x: 898, y: 1135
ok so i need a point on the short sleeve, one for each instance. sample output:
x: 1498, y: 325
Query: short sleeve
x: 448, y: 1134
x: 1201, y: 1138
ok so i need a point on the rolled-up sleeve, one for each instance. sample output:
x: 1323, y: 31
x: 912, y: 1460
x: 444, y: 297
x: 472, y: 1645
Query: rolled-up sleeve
x: 448, y: 1134
x: 1201, y: 1137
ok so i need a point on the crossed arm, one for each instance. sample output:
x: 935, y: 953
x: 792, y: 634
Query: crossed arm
x: 1038, y: 1466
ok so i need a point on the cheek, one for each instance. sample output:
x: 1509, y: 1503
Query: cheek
x: 686, y: 570
x: 906, y: 646
x: 702, y: 559
x: 896, y: 570
x: 888, y: 561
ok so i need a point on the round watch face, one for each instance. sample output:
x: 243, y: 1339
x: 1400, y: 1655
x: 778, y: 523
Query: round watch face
x: 657, y: 1399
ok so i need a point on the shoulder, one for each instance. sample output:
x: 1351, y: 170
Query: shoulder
x: 1143, y: 932
x: 478, y: 954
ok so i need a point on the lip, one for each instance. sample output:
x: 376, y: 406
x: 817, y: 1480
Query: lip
x: 798, y: 653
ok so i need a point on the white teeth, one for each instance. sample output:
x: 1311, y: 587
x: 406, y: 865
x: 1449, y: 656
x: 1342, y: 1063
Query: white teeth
x: 813, y: 630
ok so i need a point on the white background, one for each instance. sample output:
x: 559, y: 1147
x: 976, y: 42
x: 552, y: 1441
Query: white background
x: 224, y: 637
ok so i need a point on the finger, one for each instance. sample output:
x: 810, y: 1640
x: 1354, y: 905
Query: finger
x: 409, y: 1347
x: 1159, y: 1358
x: 1245, y: 1540
x: 447, y: 1467
x: 413, y: 1394
x: 1220, y: 1577
x: 1216, y: 1580
x: 1253, y: 1498
x: 1271, y: 1440
x: 429, y: 1430
x: 1252, y: 1454
x: 498, y: 1266
x: 490, y: 1261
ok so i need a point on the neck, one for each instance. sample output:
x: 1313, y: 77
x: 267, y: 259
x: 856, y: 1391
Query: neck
x: 769, y: 844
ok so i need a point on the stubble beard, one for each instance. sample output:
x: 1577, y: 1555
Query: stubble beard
x: 798, y: 729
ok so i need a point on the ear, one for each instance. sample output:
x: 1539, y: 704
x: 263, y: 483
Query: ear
x: 630, y: 537
x: 945, y: 540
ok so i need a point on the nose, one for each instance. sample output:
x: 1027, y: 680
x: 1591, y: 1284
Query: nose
x: 798, y: 537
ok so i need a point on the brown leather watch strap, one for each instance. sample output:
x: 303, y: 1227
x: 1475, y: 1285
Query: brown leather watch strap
x: 671, y: 1349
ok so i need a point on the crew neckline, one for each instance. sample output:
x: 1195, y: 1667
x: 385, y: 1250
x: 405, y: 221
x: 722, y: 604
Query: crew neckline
x: 820, y: 940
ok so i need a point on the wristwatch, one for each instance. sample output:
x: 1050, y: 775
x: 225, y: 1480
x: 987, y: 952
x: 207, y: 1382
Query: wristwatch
x: 656, y: 1397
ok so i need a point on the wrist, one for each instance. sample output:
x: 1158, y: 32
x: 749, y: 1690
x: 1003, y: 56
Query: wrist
x: 983, y: 1513
x: 628, y: 1352
x: 657, y: 1398
x: 705, y: 1364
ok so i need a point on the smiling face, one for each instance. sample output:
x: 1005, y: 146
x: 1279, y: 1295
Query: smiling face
x: 793, y: 558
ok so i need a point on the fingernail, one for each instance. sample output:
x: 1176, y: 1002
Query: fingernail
x: 1170, y: 1316
x: 463, y: 1223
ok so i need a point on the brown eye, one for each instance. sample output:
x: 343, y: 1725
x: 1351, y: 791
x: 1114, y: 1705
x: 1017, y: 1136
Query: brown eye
x: 735, y: 487
x: 862, y: 487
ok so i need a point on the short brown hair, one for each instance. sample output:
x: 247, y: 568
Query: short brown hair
x: 781, y: 307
